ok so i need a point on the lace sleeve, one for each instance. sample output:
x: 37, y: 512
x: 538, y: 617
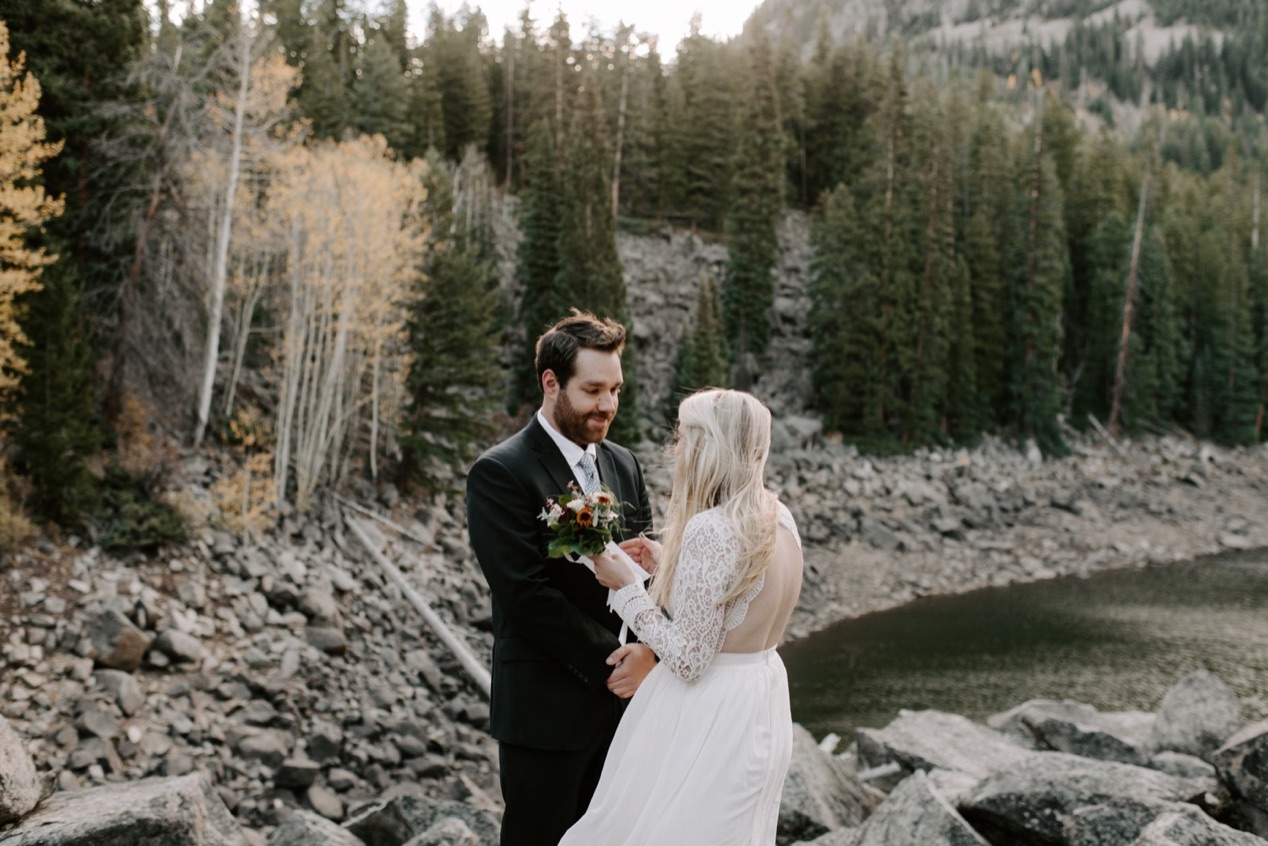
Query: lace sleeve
x: 706, y: 568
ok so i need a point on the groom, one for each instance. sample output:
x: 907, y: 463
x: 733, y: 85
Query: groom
x: 560, y: 676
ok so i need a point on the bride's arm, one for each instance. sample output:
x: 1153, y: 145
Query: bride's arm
x: 706, y: 566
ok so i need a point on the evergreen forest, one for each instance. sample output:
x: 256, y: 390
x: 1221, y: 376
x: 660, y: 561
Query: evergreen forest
x: 273, y: 229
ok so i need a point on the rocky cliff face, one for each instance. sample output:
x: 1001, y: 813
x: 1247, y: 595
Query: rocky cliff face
x: 662, y: 275
x: 997, y: 26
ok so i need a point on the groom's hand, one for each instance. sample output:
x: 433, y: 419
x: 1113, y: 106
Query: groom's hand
x: 632, y: 663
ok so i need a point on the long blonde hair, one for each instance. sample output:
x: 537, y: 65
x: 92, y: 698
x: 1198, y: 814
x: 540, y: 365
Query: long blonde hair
x: 720, y: 461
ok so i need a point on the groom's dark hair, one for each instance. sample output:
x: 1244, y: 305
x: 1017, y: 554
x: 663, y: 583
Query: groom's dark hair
x: 558, y: 346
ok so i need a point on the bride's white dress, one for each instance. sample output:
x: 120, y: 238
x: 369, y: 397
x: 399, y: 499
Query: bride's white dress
x: 700, y: 756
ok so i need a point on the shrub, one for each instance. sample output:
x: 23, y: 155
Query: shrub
x: 131, y: 517
x: 15, y: 527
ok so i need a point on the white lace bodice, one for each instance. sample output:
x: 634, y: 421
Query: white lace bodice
x: 705, y: 572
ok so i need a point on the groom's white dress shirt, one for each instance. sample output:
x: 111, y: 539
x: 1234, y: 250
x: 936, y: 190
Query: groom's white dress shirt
x: 571, y: 452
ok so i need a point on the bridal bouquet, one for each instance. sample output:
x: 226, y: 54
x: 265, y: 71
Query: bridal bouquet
x: 583, y: 523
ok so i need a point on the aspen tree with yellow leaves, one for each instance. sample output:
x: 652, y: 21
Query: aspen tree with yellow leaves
x: 243, y: 244
x: 24, y: 208
x: 234, y: 108
x: 354, y: 240
x: 24, y: 205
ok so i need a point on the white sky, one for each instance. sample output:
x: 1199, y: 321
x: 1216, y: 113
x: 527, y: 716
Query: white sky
x: 669, y: 19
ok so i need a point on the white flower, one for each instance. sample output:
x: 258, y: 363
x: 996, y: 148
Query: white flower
x: 578, y: 503
x: 551, y: 515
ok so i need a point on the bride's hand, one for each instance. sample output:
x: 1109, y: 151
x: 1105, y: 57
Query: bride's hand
x: 644, y: 551
x: 612, y: 574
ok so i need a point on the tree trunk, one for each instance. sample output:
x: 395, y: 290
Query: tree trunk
x: 1254, y: 249
x: 374, y: 408
x: 620, y: 137
x: 243, y: 334
x: 118, y: 367
x: 220, y: 267
x: 510, y: 118
x: 1120, y: 372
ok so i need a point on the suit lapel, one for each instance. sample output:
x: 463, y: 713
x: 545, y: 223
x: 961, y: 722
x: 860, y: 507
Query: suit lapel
x: 551, y: 459
x: 607, y: 472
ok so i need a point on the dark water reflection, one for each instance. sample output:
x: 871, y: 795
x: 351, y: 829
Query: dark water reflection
x: 1114, y: 640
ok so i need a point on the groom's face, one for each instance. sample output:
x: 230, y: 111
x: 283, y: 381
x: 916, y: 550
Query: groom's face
x: 583, y: 409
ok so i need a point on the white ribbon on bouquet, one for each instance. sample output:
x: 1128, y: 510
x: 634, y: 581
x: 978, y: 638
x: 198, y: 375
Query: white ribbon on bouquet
x: 630, y: 564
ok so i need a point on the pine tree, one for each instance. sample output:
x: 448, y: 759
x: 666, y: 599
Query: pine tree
x: 840, y: 93
x: 80, y: 53
x: 323, y: 96
x: 1099, y: 250
x: 1234, y: 379
x: 452, y: 330
x: 542, y: 303
x: 590, y: 274
x: 890, y: 209
x: 647, y: 137
x: 933, y: 306
x: 1106, y: 260
x: 705, y: 125
x: 964, y: 413
x: 1259, y: 317
x: 394, y: 29
x: 702, y: 354
x: 752, y: 221
x: 290, y: 27
x: 1041, y: 262
x: 843, y: 324
x: 1155, y: 367
x: 963, y: 416
x: 57, y: 431
x: 990, y: 221
x: 381, y: 93
x: 457, y: 83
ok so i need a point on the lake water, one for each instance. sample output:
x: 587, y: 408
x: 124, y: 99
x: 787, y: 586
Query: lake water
x: 1116, y: 640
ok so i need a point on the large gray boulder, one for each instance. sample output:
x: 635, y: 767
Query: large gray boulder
x: 1031, y: 801
x: 304, y: 828
x: 1242, y: 764
x: 1197, y: 715
x: 19, y: 783
x: 1110, y: 738
x: 924, y: 740
x: 1115, y: 823
x: 840, y: 837
x: 915, y: 813
x: 116, y: 642
x: 1192, y: 828
x: 820, y: 794
x: 450, y: 831
x: 1182, y: 765
x: 400, y: 820
x: 183, y: 811
x: 1067, y: 726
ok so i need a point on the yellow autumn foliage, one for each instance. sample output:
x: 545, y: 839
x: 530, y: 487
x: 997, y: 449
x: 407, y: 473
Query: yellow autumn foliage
x: 354, y: 239
x: 24, y: 205
x: 244, y: 498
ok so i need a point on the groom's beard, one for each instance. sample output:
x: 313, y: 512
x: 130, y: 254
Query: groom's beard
x: 580, y: 427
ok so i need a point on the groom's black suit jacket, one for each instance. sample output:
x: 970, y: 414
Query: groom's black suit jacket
x: 552, y: 629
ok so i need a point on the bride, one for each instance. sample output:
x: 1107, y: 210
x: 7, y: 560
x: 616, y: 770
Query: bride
x: 701, y: 753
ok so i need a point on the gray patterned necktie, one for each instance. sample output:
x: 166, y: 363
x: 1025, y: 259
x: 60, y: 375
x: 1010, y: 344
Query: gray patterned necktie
x: 589, y: 474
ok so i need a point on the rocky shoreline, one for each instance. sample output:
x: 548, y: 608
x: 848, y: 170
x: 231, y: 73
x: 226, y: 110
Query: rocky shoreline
x: 286, y: 679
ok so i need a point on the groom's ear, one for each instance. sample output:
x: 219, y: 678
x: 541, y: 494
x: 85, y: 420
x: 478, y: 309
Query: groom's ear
x: 550, y: 383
